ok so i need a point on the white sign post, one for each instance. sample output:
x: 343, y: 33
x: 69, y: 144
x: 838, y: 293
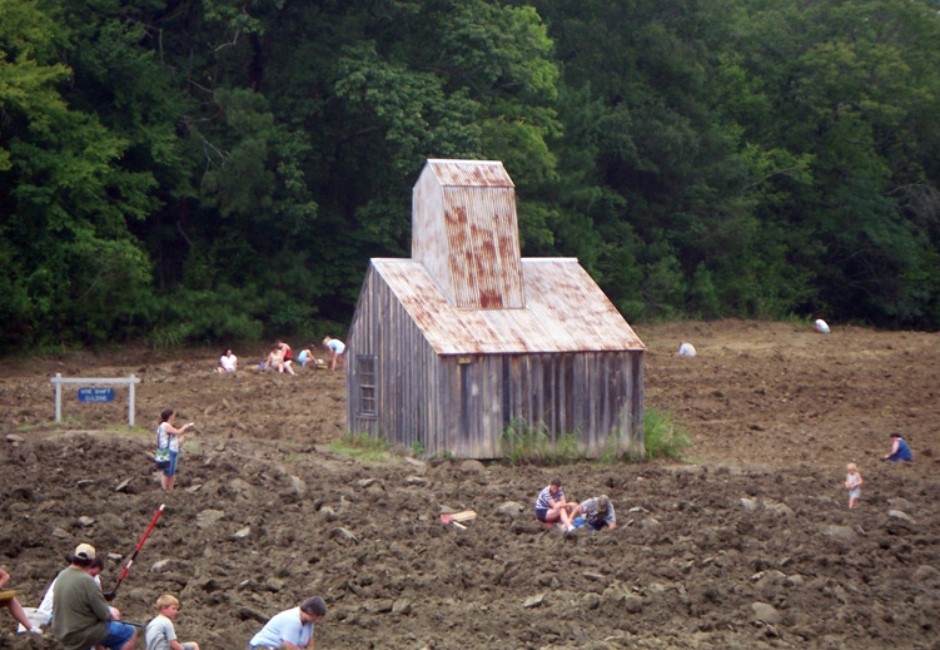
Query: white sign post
x: 130, y: 382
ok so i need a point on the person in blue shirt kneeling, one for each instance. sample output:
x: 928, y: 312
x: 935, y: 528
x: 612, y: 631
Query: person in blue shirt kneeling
x: 899, y: 450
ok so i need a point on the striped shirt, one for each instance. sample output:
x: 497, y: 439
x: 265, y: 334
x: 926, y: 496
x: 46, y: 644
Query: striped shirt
x: 545, y: 498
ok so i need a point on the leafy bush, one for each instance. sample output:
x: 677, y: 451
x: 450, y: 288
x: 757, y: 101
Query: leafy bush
x: 663, y: 438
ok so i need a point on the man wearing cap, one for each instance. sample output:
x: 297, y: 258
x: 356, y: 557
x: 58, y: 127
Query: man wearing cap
x: 598, y: 512
x: 42, y: 615
x: 292, y: 628
x: 81, y: 617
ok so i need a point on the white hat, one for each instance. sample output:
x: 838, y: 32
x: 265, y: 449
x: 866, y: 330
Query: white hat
x: 85, y: 552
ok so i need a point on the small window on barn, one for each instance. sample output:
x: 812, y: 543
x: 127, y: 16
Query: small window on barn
x: 366, y: 372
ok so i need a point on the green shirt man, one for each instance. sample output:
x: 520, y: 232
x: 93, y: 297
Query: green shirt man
x: 81, y: 617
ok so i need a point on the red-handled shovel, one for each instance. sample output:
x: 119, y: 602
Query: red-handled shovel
x: 127, y: 567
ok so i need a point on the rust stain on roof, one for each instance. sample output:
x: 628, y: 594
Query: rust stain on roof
x: 467, y: 286
x: 470, y: 173
x: 565, y: 312
x: 466, y: 233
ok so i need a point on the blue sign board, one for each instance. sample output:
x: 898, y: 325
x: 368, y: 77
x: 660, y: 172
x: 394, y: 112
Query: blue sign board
x: 95, y: 394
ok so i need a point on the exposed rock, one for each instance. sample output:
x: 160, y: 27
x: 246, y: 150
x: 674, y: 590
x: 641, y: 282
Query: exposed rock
x: 766, y: 613
x: 778, y: 508
x: 900, y: 514
x: 510, y: 508
x: 298, y: 486
x: 208, y: 518
x: 534, y: 601
x: 841, y: 533
x: 401, y: 607
x: 472, y: 467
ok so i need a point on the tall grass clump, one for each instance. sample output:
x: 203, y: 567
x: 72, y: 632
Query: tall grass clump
x: 663, y: 437
x: 531, y: 444
x: 361, y: 446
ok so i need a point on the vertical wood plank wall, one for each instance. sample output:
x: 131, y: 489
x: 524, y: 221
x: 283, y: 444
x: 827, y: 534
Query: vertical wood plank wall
x: 405, y: 367
x: 594, y: 395
x: 462, y: 404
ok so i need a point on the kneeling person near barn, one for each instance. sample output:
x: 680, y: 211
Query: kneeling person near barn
x: 598, y: 512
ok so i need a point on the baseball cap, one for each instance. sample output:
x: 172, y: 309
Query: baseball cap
x: 85, y: 552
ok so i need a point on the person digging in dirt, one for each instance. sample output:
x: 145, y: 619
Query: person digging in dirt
x: 337, y: 351
x: 853, y: 483
x: 280, y: 358
x: 305, y: 357
x: 900, y: 450
x: 286, y: 358
x: 81, y: 617
x: 598, y: 513
x: 551, y: 505
x: 42, y: 615
x: 169, y: 443
x: 8, y: 600
x: 292, y: 628
x: 273, y: 359
x: 160, y: 633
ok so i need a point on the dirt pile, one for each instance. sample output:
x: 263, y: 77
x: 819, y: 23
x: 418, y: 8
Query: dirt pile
x: 749, y: 546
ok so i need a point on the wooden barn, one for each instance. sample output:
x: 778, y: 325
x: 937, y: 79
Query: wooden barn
x: 451, y: 346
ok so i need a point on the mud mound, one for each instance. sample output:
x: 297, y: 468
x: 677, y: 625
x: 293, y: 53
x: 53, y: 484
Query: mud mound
x: 750, y: 546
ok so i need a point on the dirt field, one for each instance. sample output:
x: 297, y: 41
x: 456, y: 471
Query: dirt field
x: 748, y: 545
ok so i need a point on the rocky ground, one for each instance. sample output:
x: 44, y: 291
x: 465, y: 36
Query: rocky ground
x: 747, y: 544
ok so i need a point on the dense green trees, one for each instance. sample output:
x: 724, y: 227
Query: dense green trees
x: 198, y: 170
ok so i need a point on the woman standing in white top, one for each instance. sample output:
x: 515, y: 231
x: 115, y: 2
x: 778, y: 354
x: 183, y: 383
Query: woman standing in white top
x: 170, y: 440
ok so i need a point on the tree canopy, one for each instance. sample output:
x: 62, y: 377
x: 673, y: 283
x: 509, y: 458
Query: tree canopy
x: 202, y: 170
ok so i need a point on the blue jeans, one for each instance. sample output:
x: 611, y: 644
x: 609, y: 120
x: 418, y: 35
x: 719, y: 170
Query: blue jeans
x: 174, y: 460
x: 118, y: 634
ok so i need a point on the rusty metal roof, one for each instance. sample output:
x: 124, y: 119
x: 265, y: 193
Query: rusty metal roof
x: 470, y: 173
x: 565, y: 311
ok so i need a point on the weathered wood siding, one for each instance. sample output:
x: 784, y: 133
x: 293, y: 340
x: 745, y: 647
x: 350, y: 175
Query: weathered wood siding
x: 596, y: 396
x: 404, y: 368
x: 461, y: 404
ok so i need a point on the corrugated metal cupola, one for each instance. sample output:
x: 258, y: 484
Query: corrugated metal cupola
x: 464, y: 232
